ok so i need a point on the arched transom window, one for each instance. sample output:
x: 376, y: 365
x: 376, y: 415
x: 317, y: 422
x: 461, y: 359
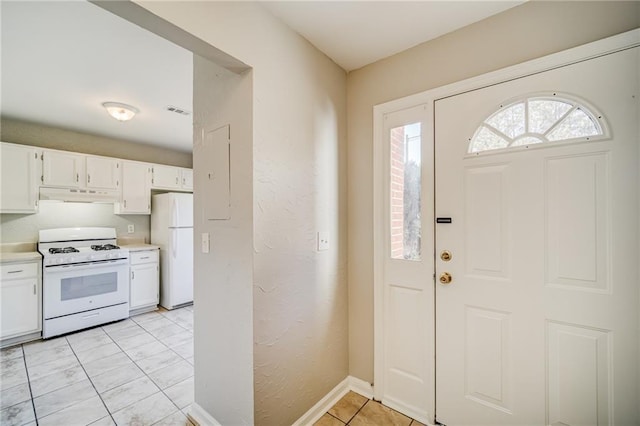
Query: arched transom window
x: 537, y: 120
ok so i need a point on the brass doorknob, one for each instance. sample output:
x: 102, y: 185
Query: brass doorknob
x: 445, y: 278
x: 445, y: 255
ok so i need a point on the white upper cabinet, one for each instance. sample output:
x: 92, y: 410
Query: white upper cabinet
x: 102, y: 172
x: 19, y: 178
x: 72, y: 170
x: 187, y: 179
x: 165, y: 177
x: 63, y: 169
x: 136, y: 189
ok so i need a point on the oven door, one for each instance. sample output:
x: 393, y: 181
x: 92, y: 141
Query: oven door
x: 70, y: 289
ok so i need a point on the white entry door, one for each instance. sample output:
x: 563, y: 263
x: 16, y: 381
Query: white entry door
x: 405, y: 379
x: 539, y: 176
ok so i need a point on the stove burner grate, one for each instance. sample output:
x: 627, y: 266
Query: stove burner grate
x: 58, y: 250
x: 99, y: 247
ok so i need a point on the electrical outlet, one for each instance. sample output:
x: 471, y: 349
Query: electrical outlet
x: 323, y: 240
x: 131, y: 229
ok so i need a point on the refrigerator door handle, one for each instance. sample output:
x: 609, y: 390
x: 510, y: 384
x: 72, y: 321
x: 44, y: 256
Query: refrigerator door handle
x: 174, y: 243
x: 175, y: 215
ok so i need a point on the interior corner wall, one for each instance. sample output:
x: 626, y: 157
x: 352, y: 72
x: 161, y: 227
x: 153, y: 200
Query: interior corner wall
x: 528, y: 31
x: 223, y: 278
x: 36, y: 134
x: 300, y: 318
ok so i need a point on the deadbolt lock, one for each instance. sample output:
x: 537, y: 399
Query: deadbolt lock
x: 445, y: 255
x: 445, y: 278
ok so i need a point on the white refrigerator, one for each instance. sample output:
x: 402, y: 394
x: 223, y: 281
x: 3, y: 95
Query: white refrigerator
x: 172, y: 230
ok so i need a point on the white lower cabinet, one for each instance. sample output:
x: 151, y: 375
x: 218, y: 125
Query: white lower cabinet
x: 144, y: 285
x: 20, y: 299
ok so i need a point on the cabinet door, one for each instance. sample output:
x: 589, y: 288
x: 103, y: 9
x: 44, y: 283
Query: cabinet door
x: 19, y: 302
x: 165, y: 177
x: 19, y: 176
x: 62, y: 169
x: 187, y: 179
x: 136, y: 191
x: 144, y: 285
x: 103, y: 173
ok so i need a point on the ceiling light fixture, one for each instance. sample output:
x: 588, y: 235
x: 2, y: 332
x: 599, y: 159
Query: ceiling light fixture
x: 121, y: 112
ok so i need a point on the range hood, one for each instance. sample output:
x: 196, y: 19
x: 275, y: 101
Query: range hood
x: 79, y: 195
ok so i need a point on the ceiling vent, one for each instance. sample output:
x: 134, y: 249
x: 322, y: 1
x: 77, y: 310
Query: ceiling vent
x: 178, y: 110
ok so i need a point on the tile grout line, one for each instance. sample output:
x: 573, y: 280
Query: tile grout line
x: 356, y: 413
x: 26, y: 369
x: 340, y: 420
x: 89, y: 377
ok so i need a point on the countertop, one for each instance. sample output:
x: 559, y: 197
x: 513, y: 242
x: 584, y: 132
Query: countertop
x: 16, y: 252
x: 8, y: 256
x: 139, y: 247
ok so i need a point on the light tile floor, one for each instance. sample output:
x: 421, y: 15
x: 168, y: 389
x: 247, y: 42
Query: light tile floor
x: 137, y: 371
x: 357, y: 410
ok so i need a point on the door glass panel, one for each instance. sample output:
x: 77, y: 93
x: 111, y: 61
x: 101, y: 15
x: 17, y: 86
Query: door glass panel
x: 90, y: 285
x: 577, y: 124
x: 405, y: 189
x: 511, y: 121
x: 544, y: 113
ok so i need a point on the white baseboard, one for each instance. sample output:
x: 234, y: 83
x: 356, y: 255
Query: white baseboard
x: 322, y: 406
x: 350, y: 383
x: 360, y: 386
x: 200, y: 417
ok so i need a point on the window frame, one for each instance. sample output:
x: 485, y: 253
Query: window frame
x: 576, y: 103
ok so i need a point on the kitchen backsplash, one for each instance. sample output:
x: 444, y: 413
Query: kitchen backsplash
x: 16, y: 228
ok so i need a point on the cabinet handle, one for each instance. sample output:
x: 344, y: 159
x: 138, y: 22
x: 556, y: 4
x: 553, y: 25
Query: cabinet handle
x: 176, y: 180
x: 15, y: 272
x: 34, y: 289
x: 133, y: 275
x: 145, y: 257
x: 88, y: 178
x: 77, y: 177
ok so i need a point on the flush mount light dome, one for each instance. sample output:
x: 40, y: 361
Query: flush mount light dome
x: 121, y: 112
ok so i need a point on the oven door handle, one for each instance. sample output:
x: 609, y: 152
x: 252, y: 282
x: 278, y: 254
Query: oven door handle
x: 81, y: 266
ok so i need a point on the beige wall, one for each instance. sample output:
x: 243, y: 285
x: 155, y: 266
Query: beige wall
x: 300, y: 340
x: 23, y: 228
x: 223, y: 278
x: 528, y: 31
x: 27, y: 133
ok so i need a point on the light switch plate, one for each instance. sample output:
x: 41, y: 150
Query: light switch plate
x: 323, y: 240
x: 131, y: 229
x: 205, y: 242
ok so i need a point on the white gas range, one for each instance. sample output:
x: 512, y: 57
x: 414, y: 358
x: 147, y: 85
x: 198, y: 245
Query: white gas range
x: 85, y: 279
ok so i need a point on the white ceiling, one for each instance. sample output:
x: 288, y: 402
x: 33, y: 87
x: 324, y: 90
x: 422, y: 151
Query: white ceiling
x: 62, y: 60
x: 357, y: 33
